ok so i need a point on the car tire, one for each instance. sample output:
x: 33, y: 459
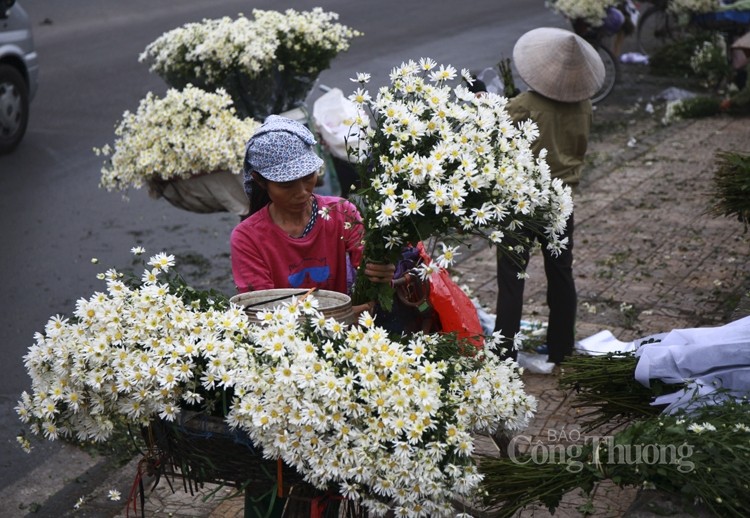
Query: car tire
x: 14, y: 108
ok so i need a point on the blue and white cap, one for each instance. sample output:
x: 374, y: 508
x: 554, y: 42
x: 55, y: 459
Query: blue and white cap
x: 281, y: 150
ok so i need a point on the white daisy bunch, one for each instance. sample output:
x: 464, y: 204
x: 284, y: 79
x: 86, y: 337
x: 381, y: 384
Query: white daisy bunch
x: 182, y: 134
x: 693, y: 6
x: 443, y: 160
x: 233, y: 43
x: 388, y: 422
x: 593, y: 12
x: 673, y: 111
x: 208, y: 52
x: 709, y: 61
x: 138, y: 350
x: 307, y: 40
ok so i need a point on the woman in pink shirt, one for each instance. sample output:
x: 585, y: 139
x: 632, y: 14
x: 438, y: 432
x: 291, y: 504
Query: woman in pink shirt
x: 293, y: 237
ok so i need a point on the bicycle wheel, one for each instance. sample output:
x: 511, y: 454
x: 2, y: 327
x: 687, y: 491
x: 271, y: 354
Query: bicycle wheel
x: 611, y: 72
x: 657, y: 27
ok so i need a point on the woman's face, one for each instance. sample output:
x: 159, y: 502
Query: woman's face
x: 292, y: 196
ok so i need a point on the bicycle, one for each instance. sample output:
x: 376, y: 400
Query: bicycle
x: 659, y: 26
x: 595, y: 37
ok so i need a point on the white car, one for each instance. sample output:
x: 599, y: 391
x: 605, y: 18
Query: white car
x: 19, y: 73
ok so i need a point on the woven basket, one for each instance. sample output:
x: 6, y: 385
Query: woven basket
x: 220, y: 191
x: 331, y: 303
x: 202, y: 449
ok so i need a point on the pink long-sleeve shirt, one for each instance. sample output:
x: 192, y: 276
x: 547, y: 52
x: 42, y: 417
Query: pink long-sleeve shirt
x: 265, y: 257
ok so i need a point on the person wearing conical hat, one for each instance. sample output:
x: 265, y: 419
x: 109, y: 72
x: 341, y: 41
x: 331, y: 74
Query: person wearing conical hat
x: 562, y: 72
x: 740, y: 59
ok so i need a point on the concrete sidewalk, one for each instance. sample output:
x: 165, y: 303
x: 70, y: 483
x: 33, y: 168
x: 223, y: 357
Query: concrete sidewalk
x: 647, y: 260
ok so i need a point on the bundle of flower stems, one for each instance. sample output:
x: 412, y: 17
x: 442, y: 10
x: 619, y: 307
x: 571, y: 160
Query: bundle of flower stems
x: 701, y: 455
x: 730, y: 194
x: 506, y: 73
x: 607, y: 390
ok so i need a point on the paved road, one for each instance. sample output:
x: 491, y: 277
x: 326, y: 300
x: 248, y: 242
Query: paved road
x: 53, y: 216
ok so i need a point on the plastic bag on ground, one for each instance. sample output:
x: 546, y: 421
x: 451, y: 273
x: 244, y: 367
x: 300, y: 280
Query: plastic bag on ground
x: 487, y: 320
x: 675, y: 94
x: 634, y: 57
x: 603, y: 342
x: 536, y: 363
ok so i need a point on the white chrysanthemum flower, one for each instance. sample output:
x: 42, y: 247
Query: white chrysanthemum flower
x: 412, y: 206
x: 360, y: 96
x: 427, y: 64
x: 309, y: 305
x: 444, y: 73
x: 425, y: 271
x: 388, y: 211
x: 162, y: 261
x: 394, y: 242
x: 24, y: 443
x: 447, y: 256
x: 700, y: 428
x: 361, y: 78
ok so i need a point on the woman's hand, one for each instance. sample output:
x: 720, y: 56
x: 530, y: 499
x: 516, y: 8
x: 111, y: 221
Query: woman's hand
x: 361, y: 308
x: 379, y: 272
x: 376, y: 273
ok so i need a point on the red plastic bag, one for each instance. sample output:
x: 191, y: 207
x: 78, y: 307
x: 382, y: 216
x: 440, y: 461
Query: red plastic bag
x: 456, y: 311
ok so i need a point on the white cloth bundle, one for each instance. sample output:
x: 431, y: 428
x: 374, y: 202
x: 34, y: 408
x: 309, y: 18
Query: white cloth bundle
x: 705, y: 359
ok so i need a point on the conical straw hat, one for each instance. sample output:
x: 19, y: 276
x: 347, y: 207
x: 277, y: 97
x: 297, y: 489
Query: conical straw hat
x: 558, y: 64
x: 743, y: 42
